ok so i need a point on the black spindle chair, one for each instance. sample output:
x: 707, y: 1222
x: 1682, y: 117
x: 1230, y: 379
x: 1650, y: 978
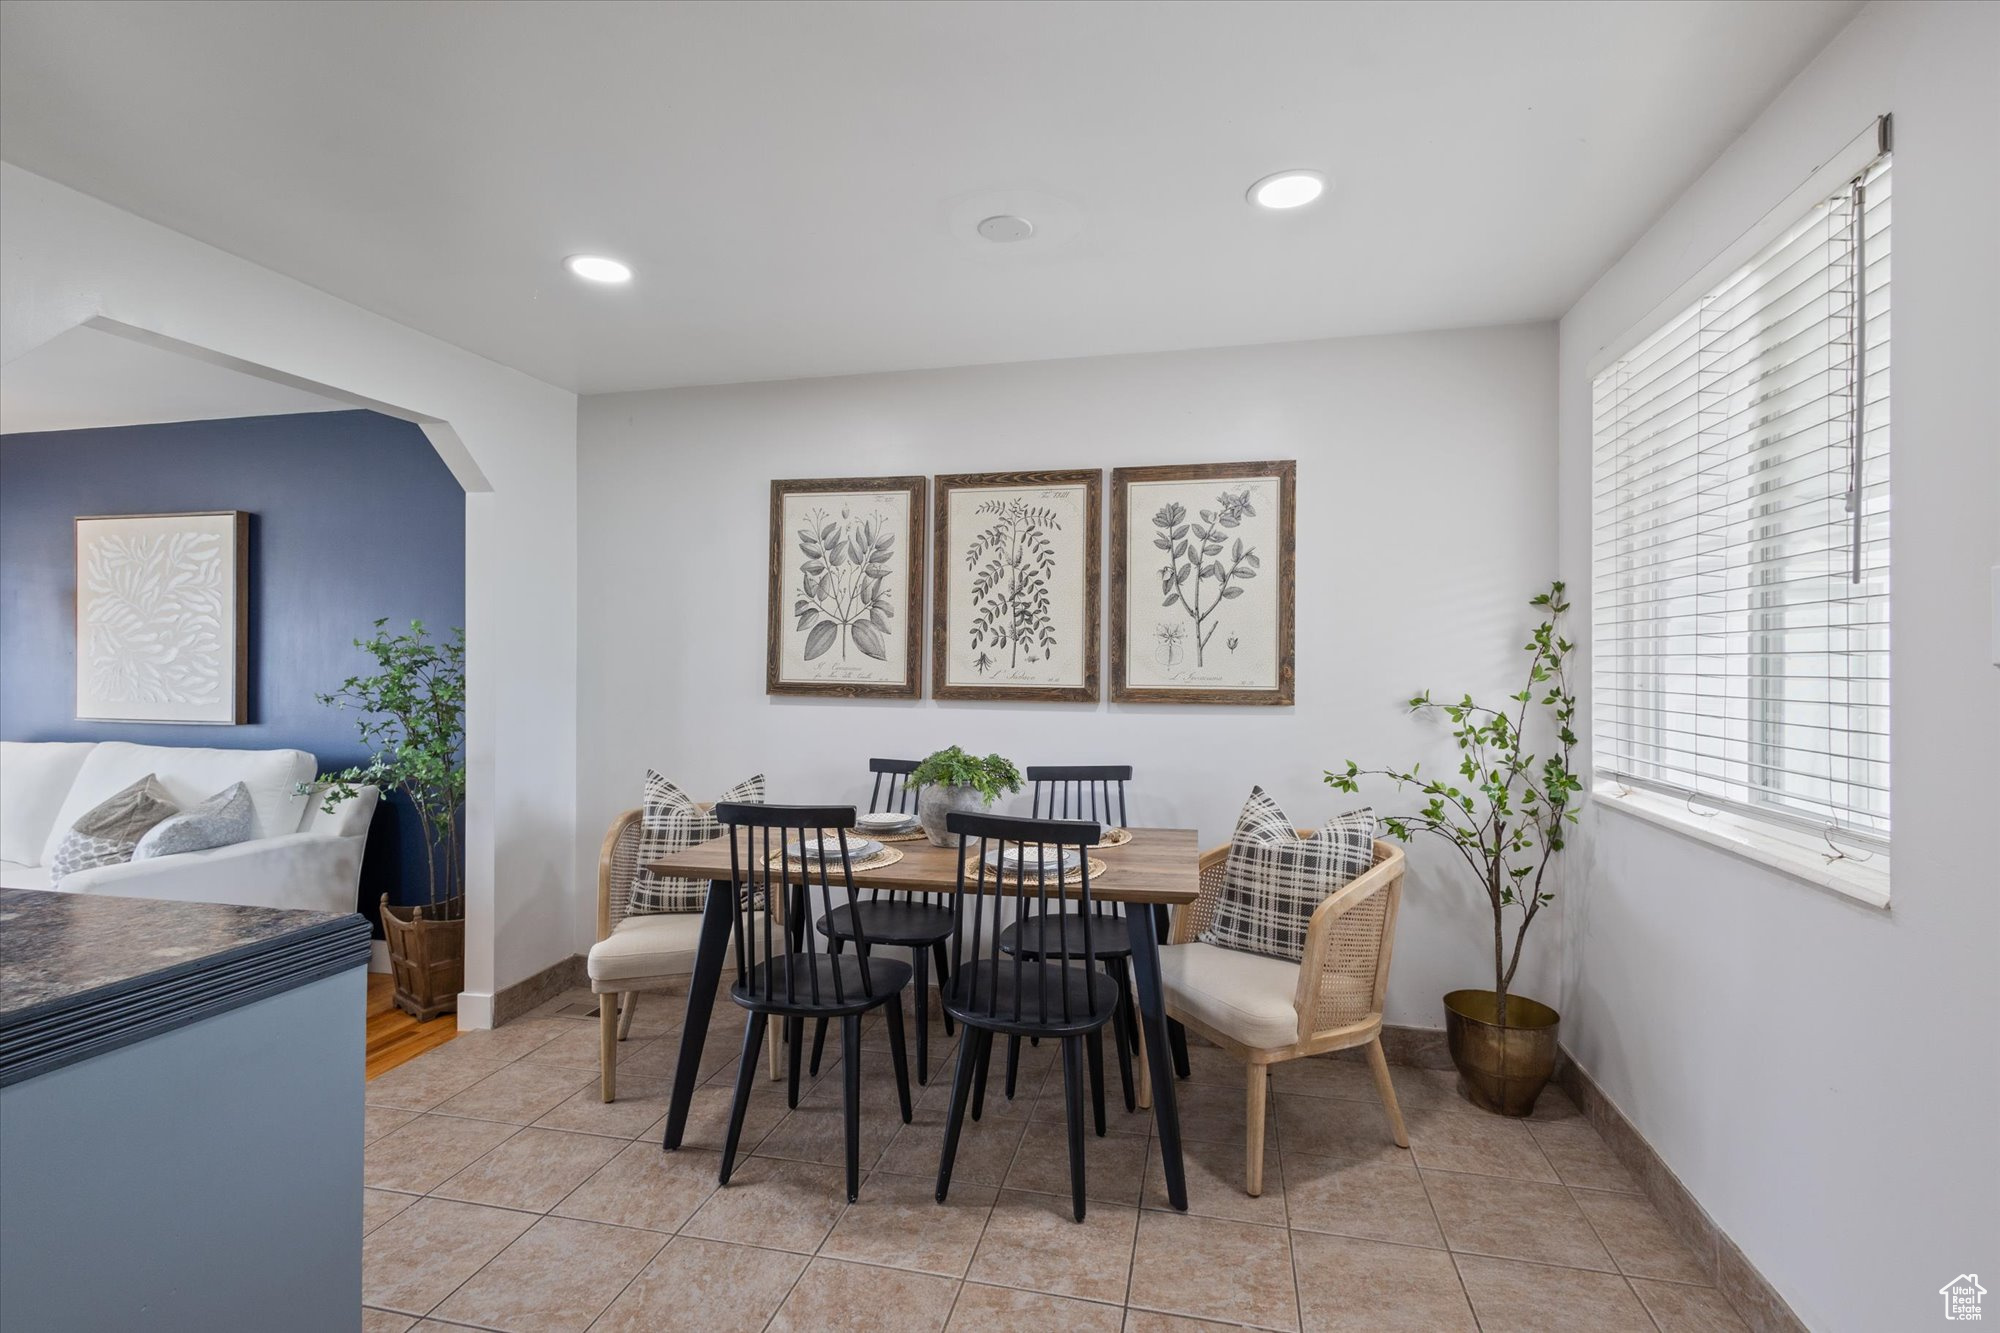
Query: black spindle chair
x: 919, y: 922
x: 1094, y: 792
x: 798, y: 979
x: 1061, y: 994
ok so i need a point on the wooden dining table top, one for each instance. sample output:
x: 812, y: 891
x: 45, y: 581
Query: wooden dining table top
x: 1158, y: 865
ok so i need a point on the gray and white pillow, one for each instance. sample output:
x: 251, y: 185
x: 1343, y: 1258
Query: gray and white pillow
x: 671, y: 821
x: 222, y: 820
x: 1275, y: 880
x: 106, y: 833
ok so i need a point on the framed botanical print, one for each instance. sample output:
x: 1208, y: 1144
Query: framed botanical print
x: 847, y: 588
x: 1202, y: 583
x: 1014, y: 607
x: 163, y: 617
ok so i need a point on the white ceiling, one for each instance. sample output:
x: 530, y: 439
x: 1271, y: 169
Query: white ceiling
x: 86, y: 378
x: 796, y: 183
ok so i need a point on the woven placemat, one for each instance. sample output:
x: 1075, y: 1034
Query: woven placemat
x: 886, y: 856
x: 1114, y: 837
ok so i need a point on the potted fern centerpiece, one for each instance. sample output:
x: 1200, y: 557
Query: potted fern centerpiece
x: 954, y: 780
x: 1505, y: 813
x: 413, y: 720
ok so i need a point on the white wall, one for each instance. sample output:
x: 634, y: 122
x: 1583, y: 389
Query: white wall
x: 1821, y: 1075
x: 1425, y: 521
x: 66, y: 259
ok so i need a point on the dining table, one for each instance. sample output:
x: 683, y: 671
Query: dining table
x: 1155, y: 869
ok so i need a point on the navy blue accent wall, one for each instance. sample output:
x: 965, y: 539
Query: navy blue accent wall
x: 353, y: 516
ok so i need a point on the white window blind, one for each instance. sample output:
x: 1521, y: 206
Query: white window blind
x: 1740, y: 535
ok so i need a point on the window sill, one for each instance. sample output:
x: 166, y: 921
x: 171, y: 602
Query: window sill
x: 1863, y: 882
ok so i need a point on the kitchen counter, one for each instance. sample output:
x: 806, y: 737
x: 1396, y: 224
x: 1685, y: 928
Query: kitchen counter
x: 180, y: 1115
x: 82, y: 974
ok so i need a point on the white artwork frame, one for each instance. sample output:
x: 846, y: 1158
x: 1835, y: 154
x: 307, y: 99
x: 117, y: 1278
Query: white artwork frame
x: 162, y: 618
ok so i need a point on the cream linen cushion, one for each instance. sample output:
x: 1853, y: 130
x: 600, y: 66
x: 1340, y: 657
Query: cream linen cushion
x: 1244, y: 996
x: 661, y: 944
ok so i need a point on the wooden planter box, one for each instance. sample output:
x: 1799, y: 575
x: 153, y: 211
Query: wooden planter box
x: 427, y: 957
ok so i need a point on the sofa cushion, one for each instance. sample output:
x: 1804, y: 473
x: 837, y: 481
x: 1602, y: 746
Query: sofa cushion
x: 1275, y: 880
x: 1240, y: 995
x: 106, y: 834
x: 35, y: 778
x: 222, y: 820
x: 189, y: 775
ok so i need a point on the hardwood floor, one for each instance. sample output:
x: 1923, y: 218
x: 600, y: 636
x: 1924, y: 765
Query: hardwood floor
x: 393, y: 1036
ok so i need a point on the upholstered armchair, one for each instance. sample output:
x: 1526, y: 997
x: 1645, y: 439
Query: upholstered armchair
x: 1267, y: 1010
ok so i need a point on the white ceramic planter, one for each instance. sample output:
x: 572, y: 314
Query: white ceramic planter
x: 935, y: 802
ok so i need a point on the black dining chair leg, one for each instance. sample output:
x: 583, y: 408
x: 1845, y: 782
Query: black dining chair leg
x: 1122, y: 1028
x: 961, y: 1093
x: 850, y: 1041
x: 795, y: 1033
x: 943, y: 957
x: 920, y: 960
x: 1177, y: 1039
x: 746, y: 1074
x: 834, y: 945
x: 1073, y: 1111
x: 893, y: 1014
x: 1013, y: 1062
x: 985, y: 1040
x: 1094, y: 1043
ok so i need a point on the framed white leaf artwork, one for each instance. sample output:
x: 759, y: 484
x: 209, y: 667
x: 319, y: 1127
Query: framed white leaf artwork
x: 162, y: 617
x: 847, y: 587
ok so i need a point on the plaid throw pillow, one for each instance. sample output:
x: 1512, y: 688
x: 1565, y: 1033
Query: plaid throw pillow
x: 670, y: 822
x: 1275, y: 880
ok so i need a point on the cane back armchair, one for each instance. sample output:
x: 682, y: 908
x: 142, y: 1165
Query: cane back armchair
x: 1265, y: 1011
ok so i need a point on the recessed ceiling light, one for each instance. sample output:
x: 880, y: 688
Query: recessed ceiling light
x: 1288, y: 189
x: 1005, y: 228
x: 597, y: 268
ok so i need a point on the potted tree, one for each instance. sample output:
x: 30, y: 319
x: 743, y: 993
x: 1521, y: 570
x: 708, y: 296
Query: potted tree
x: 413, y: 720
x: 1504, y: 812
x: 954, y: 780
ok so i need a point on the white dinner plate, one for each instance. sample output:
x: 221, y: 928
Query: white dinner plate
x: 1018, y: 857
x: 828, y: 849
x: 886, y: 822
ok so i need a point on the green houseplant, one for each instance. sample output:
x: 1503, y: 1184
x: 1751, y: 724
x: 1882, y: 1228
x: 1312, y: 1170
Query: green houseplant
x: 954, y: 780
x: 412, y: 719
x: 1505, y: 812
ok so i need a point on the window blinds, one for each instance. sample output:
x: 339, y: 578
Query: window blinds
x: 1740, y: 535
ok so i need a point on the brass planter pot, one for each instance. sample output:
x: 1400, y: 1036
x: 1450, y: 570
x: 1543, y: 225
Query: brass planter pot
x: 427, y: 957
x: 1500, y: 1069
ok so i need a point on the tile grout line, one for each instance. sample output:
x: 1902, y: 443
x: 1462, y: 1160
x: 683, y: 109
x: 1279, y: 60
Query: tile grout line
x: 1616, y: 1262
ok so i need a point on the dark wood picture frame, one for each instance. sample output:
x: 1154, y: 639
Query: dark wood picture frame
x: 240, y: 595
x: 1092, y: 631
x: 912, y: 685
x: 1284, y: 575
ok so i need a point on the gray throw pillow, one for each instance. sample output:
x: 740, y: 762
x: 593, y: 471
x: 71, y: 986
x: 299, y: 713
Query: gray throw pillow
x: 220, y: 821
x: 107, y: 833
x: 670, y: 821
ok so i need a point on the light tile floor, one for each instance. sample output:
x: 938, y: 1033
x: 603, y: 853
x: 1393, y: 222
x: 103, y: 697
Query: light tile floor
x: 501, y: 1194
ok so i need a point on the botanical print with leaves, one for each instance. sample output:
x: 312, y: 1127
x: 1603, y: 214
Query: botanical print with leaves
x: 846, y: 570
x: 1014, y: 587
x: 156, y: 618
x: 1201, y: 611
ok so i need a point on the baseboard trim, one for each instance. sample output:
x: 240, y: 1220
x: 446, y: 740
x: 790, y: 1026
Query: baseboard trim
x: 1756, y: 1301
x: 512, y: 1001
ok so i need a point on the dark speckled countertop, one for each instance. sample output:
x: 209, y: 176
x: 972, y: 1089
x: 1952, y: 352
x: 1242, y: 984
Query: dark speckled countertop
x: 80, y: 973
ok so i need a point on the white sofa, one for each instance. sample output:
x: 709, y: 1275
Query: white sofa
x: 298, y: 856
